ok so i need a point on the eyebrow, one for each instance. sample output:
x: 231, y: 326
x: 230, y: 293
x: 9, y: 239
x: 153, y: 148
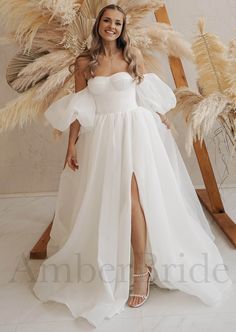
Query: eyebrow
x: 110, y: 18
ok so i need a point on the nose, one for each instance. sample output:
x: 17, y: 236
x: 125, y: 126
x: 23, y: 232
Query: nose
x: 112, y: 25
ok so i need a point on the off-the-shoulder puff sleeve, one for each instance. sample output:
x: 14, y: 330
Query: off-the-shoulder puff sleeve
x: 64, y: 111
x: 154, y: 94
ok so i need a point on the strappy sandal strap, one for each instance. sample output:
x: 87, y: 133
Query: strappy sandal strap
x: 141, y: 274
x: 138, y: 295
x: 143, y: 297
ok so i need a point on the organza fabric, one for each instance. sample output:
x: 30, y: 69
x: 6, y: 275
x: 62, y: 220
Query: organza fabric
x: 90, y: 265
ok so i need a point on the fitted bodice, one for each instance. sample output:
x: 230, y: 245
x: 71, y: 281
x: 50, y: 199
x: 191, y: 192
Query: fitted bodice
x: 117, y: 93
x: 114, y: 93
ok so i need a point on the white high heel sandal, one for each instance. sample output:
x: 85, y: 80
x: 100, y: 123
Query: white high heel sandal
x: 144, y: 297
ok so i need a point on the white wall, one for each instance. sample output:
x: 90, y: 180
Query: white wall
x: 31, y: 160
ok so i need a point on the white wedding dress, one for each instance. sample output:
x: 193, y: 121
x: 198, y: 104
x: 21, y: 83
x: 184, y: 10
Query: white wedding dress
x: 121, y: 134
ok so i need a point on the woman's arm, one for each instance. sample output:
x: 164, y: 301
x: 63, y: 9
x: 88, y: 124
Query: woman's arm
x: 80, y: 84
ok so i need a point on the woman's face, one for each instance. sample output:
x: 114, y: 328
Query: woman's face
x: 110, y: 25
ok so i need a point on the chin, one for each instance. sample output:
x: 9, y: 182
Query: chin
x: 107, y: 38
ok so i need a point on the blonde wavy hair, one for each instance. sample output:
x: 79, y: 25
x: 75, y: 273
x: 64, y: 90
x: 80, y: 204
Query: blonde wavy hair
x: 123, y: 42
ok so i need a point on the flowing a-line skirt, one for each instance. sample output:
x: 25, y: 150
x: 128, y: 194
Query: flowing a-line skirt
x: 90, y: 269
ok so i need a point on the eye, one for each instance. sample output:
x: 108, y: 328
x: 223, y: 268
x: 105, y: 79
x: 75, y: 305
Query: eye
x: 118, y: 23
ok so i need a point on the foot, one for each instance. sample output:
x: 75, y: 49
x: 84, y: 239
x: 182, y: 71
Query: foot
x: 140, y: 287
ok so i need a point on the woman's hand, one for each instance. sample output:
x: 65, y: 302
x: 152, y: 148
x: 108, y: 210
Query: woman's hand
x: 164, y: 120
x: 71, y: 158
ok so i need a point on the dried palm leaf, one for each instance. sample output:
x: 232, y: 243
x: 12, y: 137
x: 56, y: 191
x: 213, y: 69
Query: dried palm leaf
x: 21, y: 17
x: 53, y: 42
x: 63, y: 10
x: 207, y: 112
x: 133, y: 5
x: 28, y: 28
x: 228, y: 121
x: 16, y: 65
x: 136, y: 11
x: 232, y: 48
x: 164, y: 39
x: 231, y: 91
x: 211, y: 62
x: 139, y: 38
x: 53, y: 83
x: 152, y: 63
x: 77, y: 34
x: 90, y: 9
x: 23, y: 84
x: 49, y: 63
x: 67, y: 88
x: 42, y: 68
x: 40, y: 47
x: 23, y: 110
x: 187, y: 100
x: 203, y: 118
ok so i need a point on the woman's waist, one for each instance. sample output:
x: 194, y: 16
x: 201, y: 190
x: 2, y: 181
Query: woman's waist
x: 106, y: 106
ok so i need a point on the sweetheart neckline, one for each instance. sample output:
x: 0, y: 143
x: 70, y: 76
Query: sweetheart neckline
x: 108, y: 76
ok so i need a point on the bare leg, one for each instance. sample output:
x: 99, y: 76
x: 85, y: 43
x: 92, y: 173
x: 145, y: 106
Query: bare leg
x: 138, y: 241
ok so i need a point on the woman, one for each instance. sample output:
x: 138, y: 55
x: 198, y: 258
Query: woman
x: 127, y: 203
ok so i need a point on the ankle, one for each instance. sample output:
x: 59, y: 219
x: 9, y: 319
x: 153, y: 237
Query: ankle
x: 140, y: 268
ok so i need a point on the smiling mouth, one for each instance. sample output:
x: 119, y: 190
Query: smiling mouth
x: 110, y: 32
